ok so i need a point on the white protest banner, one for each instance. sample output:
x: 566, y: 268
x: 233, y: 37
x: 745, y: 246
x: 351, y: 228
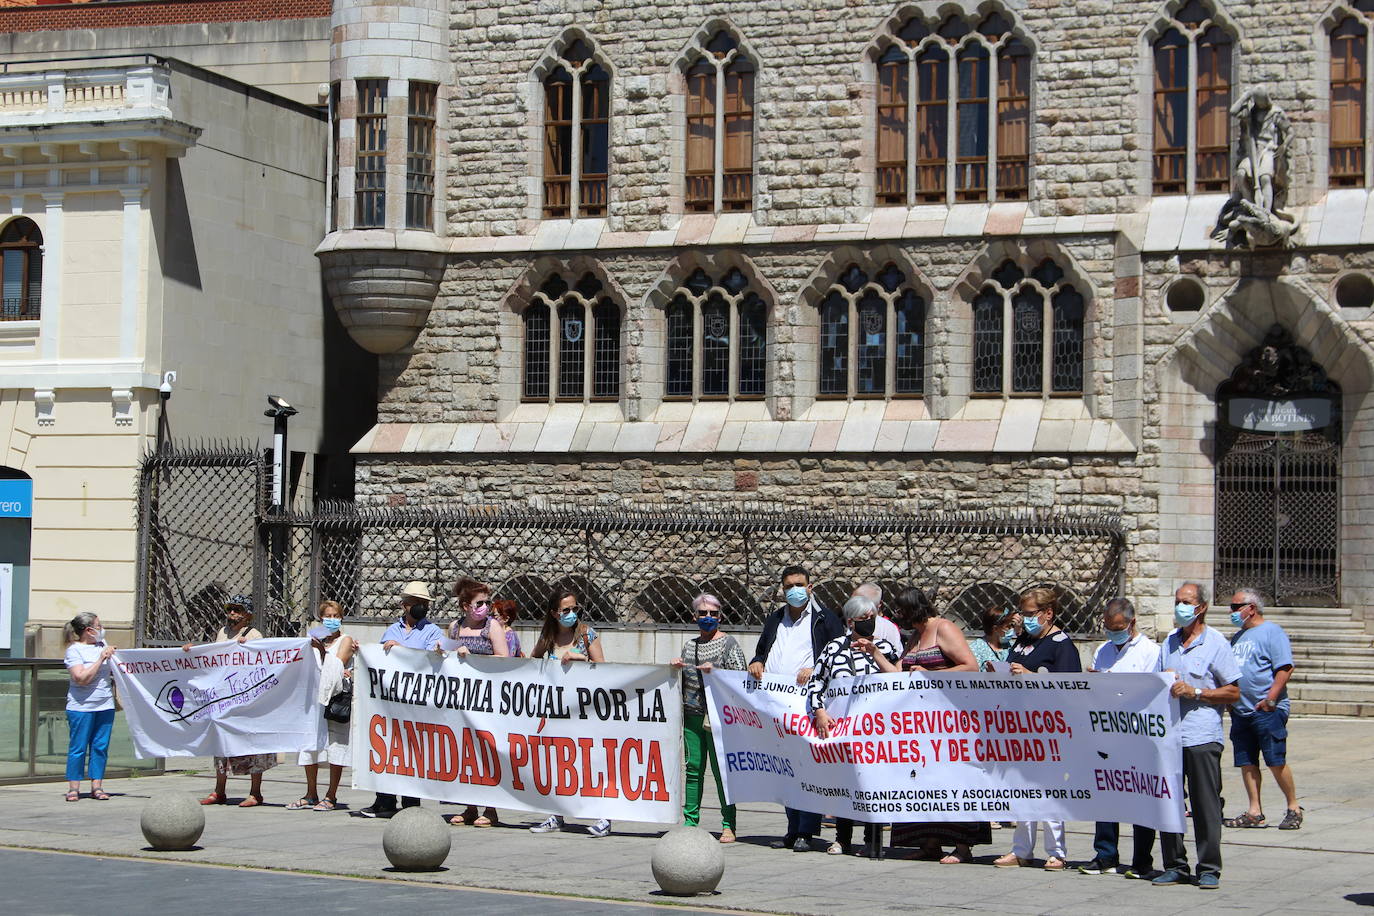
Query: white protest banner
x: 578, y: 739
x: 957, y: 747
x: 226, y: 699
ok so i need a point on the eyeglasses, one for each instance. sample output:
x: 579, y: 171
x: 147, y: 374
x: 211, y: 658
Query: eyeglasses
x: 1236, y: 607
x: 481, y: 604
x: 574, y: 609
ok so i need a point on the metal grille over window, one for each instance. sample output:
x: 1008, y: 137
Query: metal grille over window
x: 586, y: 333
x: 716, y: 339
x: 861, y: 355
x: 720, y: 127
x: 370, y: 174
x: 979, y: 107
x: 577, y: 109
x: 1016, y: 363
x: 1193, y: 68
x: 1350, y: 165
x: 420, y: 156
x: 21, y: 247
x: 201, y: 537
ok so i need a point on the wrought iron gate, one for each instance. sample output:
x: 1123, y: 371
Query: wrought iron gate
x: 1278, y: 517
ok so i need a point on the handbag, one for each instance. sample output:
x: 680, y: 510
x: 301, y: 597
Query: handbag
x: 340, y: 706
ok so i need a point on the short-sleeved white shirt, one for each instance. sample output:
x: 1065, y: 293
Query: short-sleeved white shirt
x: 99, y: 693
x: 1138, y: 654
x: 792, y: 649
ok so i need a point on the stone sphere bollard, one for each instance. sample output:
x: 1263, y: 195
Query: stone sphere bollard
x: 417, y: 840
x: 688, y: 861
x: 173, y: 821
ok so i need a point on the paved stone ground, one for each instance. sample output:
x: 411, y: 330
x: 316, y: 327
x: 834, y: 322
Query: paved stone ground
x: 1327, y: 867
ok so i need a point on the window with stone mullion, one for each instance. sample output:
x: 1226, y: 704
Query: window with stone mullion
x: 370, y: 170
x: 572, y: 344
x: 576, y: 136
x: 959, y: 106
x: 872, y: 337
x: 1350, y: 107
x: 1191, y: 121
x: 716, y: 341
x: 719, y: 172
x: 1043, y: 351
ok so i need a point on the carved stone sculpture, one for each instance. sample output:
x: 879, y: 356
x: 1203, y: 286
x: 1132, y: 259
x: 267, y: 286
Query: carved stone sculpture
x: 1253, y: 217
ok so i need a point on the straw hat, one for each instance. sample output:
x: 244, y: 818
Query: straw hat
x: 417, y: 589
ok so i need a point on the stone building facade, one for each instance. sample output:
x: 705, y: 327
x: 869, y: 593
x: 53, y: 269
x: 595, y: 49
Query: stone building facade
x: 973, y: 265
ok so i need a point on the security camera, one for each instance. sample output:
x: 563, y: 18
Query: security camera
x: 164, y: 390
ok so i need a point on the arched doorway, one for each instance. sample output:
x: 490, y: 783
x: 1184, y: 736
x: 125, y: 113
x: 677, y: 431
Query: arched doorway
x: 1278, y: 476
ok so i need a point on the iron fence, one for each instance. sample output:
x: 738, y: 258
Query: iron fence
x: 632, y: 567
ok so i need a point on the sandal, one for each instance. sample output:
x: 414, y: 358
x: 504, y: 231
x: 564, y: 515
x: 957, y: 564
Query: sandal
x: 1011, y: 860
x: 251, y: 801
x: 1054, y: 863
x: 727, y: 835
x: 1292, y: 820
x: 956, y: 858
x: 100, y: 795
x: 482, y: 822
x: 835, y: 849
x: 72, y: 796
x: 1245, y: 820
x: 302, y: 803
x: 214, y: 798
x: 324, y: 804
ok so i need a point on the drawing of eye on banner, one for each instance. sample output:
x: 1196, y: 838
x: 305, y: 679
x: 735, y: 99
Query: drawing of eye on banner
x: 957, y: 747
x: 579, y: 739
x: 226, y: 699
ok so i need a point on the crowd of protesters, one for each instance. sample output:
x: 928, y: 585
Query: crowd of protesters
x: 805, y: 641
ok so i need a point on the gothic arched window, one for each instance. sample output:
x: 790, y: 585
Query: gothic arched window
x: 1028, y: 332
x: 1350, y: 98
x: 720, y: 127
x: 568, y: 330
x: 960, y: 88
x: 717, y: 332
x: 577, y: 112
x: 872, y: 336
x: 1193, y: 67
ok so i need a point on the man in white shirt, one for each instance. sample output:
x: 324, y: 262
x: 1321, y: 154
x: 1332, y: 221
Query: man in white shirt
x: 884, y: 628
x: 1126, y: 650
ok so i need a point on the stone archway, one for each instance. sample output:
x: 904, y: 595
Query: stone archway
x: 1181, y: 397
x: 1278, y: 476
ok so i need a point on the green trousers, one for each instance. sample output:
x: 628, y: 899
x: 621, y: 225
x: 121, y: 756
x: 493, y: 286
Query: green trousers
x: 698, y: 746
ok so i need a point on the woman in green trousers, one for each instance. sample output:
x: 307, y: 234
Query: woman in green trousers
x: 711, y: 649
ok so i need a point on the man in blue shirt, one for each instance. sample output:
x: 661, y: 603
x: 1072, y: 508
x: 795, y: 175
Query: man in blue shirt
x: 1207, y: 675
x: 1259, y: 720
x: 415, y: 631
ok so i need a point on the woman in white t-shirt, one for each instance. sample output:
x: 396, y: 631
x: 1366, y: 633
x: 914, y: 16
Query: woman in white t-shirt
x: 90, y: 704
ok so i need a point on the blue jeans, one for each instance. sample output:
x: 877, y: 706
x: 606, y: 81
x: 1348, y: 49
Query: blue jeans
x: 88, y: 735
x: 1108, y: 834
x: 802, y: 823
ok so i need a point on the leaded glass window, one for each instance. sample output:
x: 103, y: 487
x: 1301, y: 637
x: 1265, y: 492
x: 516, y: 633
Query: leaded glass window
x: 716, y: 335
x: 872, y: 336
x: 586, y: 334
x: 1044, y: 351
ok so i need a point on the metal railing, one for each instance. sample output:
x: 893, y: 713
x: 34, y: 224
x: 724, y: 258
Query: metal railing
x: 33, y: 726
x: 205, y: 533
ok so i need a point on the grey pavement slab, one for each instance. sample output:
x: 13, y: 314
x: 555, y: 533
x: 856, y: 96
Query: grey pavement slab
x: 1326, y: 867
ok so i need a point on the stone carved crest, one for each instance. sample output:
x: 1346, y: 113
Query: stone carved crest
x: 1253, y: 216
x: 1278, y: 368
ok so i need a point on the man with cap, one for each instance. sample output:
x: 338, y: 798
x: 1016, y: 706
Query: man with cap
x: 414, y: 631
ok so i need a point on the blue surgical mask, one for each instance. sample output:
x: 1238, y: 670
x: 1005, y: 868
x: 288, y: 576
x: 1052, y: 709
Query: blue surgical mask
x: 1119, y: 637
x: 1184, y: 614
x: 707, y: 624
x: 796, y: 596
x: 1007, y: 639
x: 1236, y: 619
x: 332, y: 624
x: 1033, y: 626
x: 568, y: 618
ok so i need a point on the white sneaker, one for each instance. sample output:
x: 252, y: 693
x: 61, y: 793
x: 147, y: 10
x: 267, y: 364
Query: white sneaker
x: 601, y: 828
x: 552, y: 825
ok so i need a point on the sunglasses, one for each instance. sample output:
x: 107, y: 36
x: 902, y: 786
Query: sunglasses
x: 576, y: 609
x: 1236, y: 607
x: 481, y: 604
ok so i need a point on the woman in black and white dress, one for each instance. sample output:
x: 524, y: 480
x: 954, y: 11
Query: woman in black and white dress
x: 854, y: 654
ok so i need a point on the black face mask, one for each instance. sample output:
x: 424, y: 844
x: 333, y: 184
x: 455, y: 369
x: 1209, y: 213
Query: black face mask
x: 866, y: 628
